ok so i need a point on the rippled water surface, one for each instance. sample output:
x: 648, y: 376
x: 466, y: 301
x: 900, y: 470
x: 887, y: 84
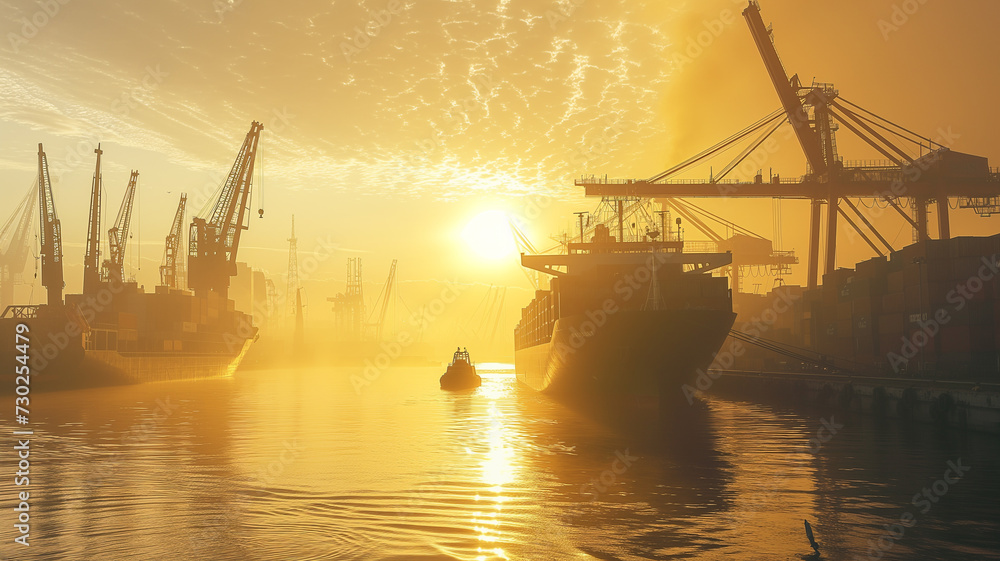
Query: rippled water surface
x: 296, y: 465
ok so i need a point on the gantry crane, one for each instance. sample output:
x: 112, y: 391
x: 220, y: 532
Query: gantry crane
x: 113, y: 269
x: 14, y: 248
x: 214, y: 242
x: 815, y: 112
x: 349, y: 306
x: 170, y: 268
x: 50, y: 231
x: 92, y: 256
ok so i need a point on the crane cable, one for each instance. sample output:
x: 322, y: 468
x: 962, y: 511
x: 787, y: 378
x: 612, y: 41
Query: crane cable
x: 720, y: 146
x: 929, y: 141
x: 747, y: 151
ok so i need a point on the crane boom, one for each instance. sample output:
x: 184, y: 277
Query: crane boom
x: 92, y: 256
x: 168, y: 269
x: 113, y: 269
x: 14, y: 248
x: 385, y: 303
x: 793, y: 106
x: 50, y: 231
x: 214, y: 242
x: 14, y: 238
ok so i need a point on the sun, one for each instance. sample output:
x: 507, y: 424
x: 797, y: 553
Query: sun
x: 488, y: 235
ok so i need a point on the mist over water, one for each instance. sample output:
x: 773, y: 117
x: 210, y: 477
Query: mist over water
x: 295, y: 464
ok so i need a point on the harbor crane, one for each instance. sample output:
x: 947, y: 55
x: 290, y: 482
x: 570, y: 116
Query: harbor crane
x: 92, y: 256
x: 15, y: 248
x: 384, y: 299
x: 815, y: 112
x: 50, y: 231
x: 113, y: 269
x: 214, y: 242
x: 171, y: 267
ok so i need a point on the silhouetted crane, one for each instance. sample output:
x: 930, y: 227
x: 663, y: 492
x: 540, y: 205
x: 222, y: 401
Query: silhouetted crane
x: 92, y: 256
x: 51, y: 234
x: 170, y: 268
x: 113, y: 268
x: 384, y: 298
x: 15, y: 247
x: 214, y: 242
x: 815, y: 112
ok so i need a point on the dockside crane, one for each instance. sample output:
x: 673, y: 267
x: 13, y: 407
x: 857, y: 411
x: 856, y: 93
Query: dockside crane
x: 15, y: 248
x: 113, y: 269
x: 170, y: 268
x: 815, y: 112
x: 92, y: 256
x: 215, y: 241
x: 383, y: 299
x: 50, y: 231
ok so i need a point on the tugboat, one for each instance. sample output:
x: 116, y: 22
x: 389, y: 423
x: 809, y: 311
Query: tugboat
x: 461, y: 374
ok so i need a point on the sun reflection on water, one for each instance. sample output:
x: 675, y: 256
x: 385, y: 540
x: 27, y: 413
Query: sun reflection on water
x: 497, y: 471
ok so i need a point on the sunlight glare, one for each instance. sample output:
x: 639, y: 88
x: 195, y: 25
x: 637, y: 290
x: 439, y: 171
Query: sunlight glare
x: 488, y: 235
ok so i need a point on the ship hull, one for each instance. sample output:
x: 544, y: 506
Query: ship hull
x: 58, y: 361
x: 635, y: 361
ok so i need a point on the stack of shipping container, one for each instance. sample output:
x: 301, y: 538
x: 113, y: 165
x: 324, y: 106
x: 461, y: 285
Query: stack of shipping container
x: 928, y: 310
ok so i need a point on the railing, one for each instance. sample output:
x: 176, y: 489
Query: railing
x: 592, y: 180
x: 20, y: 312
x: 701, y: 246
x: 863, y: 164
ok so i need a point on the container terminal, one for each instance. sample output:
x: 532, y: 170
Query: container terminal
x: 910, y: 332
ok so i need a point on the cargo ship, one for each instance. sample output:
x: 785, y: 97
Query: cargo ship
x: 138, y: 337
x: 627, y: 318
x: 115, y: 332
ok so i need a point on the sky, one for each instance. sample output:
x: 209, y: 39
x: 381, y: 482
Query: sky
x: 388, y: 143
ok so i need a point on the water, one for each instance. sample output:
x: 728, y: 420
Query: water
x: 283, y: 465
